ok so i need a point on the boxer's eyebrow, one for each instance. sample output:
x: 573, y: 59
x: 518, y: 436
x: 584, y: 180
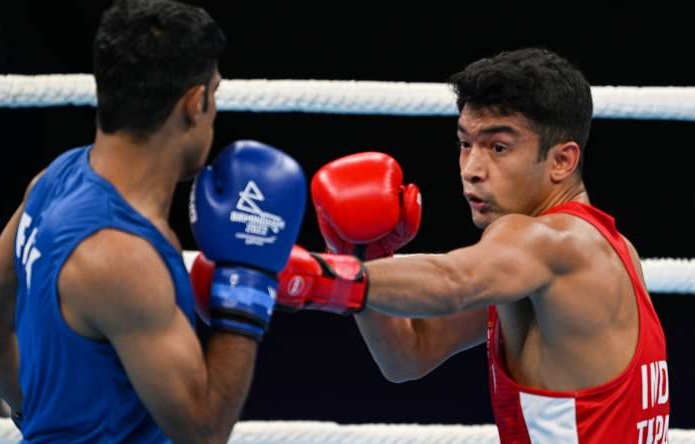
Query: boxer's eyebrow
x: 495, y: 129
x: 500, y: 129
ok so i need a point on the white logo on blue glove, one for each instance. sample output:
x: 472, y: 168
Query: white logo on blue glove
x: 258, y: 222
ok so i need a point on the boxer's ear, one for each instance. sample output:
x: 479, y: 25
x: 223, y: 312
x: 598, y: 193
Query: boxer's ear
x: 194, y: 103
x: 563, y: 160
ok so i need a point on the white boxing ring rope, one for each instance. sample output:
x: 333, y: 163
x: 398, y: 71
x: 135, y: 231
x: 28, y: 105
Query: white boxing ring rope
x: 380, y: 98
x: 347, y: 97
x: 315, y: 432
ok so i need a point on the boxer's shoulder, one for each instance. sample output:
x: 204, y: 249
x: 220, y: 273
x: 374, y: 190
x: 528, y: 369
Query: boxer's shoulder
x: 564, y: 241
x: 111, y: 276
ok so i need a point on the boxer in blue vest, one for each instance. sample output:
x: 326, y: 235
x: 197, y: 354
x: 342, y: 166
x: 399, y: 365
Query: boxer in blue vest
x: 97, y: 329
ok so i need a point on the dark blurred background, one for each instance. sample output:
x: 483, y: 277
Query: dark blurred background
x: 314, y: 365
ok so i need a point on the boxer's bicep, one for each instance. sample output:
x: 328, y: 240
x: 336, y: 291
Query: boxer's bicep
x: 512, y: 261
x: 442, y: 337
x: 116, y: 288
x: 407, y: 349
x: 515, y: 258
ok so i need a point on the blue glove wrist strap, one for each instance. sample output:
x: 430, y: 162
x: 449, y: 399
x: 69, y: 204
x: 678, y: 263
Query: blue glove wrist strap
x: 242, y: 300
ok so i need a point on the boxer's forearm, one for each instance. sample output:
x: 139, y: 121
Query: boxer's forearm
x: 406, y: 349
x: 10, y: 390
x: 418, y: 285
x: 230, y: 361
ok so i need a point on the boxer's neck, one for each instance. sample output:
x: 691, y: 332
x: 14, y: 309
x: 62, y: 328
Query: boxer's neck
x: 574, y: 191
x: 144, y: 172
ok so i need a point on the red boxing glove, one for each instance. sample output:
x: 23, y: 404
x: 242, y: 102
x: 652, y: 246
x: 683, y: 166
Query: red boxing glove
x: 328, y: 282
x: 362, y: 206
x: 201, y: 281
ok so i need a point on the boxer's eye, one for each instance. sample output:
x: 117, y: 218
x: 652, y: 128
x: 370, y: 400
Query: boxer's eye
x: 498, y: 148
x: 463, y: 145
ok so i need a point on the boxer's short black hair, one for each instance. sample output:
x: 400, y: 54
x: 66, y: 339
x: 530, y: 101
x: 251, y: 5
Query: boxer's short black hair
x: 537, y: 83
x: 147, y: 54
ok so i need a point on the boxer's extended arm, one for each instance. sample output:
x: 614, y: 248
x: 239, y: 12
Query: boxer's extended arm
x: 407, y: 349
x: 388, y: 218
x: 516, y: 257
x: 404, y: 349
x: 116, y: 287
x: 9, y: 352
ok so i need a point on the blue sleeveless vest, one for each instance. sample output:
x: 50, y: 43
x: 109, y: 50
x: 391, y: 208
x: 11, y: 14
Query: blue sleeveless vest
x: 75, y: 389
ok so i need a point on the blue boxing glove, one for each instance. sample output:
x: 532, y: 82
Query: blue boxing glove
x: 246, y: 210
